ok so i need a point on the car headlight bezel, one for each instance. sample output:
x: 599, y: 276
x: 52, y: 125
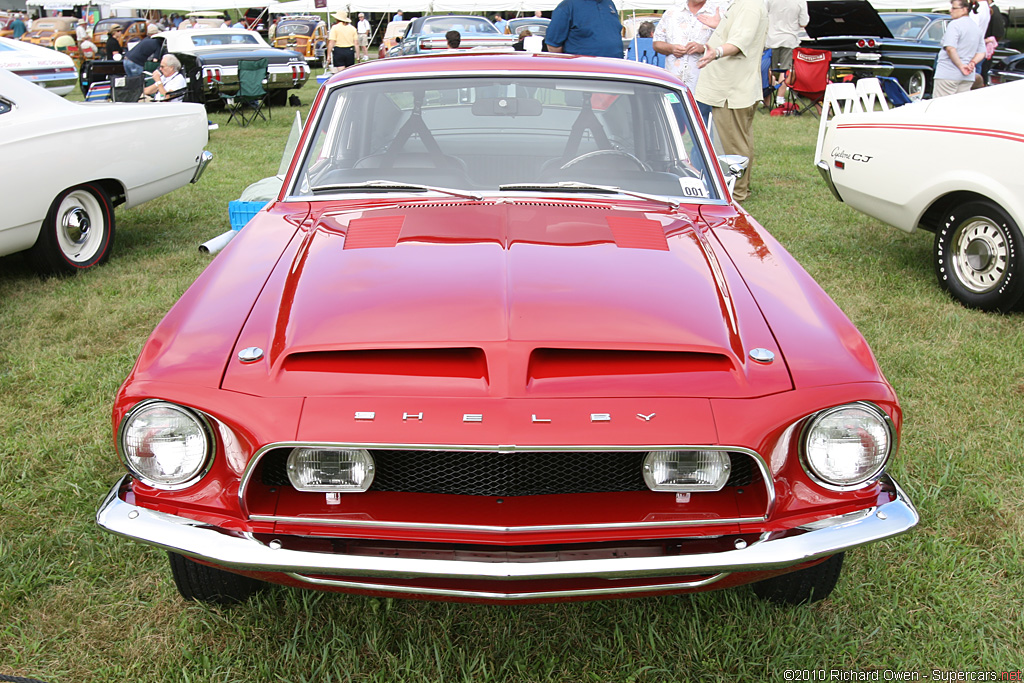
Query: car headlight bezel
x: 203, y: 430
x: 816, y: 469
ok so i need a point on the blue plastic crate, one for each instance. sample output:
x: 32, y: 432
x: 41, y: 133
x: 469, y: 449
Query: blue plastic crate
x: 242, y: 212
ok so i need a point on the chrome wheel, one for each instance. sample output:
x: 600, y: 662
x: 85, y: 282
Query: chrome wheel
x: 979, y: 255
x: 916, y: 85
x: 78, y: 231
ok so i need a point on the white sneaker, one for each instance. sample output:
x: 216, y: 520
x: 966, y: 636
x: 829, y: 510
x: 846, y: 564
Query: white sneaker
x: 212, y: 126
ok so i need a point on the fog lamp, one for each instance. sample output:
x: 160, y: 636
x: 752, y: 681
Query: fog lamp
x: 847, y: 446
x: 686, y: 470
x: 165, y: 445
x: 330, y: 469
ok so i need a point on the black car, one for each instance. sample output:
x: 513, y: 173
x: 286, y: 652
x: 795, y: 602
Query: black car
x: 428, y: 33
x: 863, y: 42
x: 1007, y: 69
x: 209, y: 59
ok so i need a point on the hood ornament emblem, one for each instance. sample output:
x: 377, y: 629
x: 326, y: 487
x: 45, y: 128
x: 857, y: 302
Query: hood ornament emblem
x: 250, y: 355
x: 763, y: 356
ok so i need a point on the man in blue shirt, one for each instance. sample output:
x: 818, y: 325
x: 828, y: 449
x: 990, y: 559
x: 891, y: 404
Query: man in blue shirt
x: 18, y: 26
x: 585, y: 27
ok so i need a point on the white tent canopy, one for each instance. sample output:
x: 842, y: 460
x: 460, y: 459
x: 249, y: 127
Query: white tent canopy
x: 188, y: 5
x: 350, y: 6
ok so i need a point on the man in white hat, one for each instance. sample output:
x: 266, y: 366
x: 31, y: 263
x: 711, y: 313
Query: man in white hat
x: 363, y: 29
x: 341, y: 42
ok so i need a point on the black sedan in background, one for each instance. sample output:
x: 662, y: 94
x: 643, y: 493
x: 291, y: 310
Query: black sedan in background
x: 904, y: 45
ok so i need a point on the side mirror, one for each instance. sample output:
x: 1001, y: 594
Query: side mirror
x: 733, y: 166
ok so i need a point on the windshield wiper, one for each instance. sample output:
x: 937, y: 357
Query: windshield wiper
x: 573, y: 185
x: 388, y: 185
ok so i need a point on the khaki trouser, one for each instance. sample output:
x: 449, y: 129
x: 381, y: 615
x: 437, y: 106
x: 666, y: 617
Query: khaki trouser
x: 736, y: 131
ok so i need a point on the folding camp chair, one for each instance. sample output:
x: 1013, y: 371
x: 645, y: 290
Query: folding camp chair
x: 251, y: 98
x: 809, y: 76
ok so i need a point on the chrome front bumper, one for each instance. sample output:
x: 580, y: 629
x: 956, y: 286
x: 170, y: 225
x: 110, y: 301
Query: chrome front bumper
x: 204, y: 160
x: 243, y: 551
x: 826, y: 172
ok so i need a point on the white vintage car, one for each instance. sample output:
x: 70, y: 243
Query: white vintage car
x: 53, y: 70
x: 62, y: 193
x: 937, y: 165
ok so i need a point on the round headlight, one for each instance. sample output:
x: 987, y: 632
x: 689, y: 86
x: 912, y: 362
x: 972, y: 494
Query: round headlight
x: 330, y: 469
x: 847, y: 446
x: 165, y: 445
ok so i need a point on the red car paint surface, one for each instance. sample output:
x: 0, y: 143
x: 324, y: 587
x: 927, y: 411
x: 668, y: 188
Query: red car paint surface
x: 554, y: 328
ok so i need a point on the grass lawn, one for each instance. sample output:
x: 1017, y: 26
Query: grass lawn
x: 78, y: 605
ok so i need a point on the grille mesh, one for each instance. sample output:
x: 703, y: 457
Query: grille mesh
x: 478, y: 473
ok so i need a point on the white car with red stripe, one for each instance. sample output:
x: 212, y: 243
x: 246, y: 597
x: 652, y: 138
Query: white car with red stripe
x: 936, y: 165
x: 48, y: 68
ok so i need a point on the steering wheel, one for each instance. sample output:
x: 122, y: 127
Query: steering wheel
x: 596, y: 154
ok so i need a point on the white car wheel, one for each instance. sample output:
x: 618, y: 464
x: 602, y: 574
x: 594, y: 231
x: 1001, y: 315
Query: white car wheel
x: 78, y: 231
x: 917, y: 86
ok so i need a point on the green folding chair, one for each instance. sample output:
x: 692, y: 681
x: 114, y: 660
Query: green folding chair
x: 251, y: 98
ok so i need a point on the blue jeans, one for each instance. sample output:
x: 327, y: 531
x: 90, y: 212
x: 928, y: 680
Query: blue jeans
x: 131, y: 68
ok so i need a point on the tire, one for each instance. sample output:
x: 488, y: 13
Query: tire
x: 277, y: 97
x: 210, y: 585
x: 77, y: 233
x: 978, y: 257
x: 804, y: 585
x: 917, y: 85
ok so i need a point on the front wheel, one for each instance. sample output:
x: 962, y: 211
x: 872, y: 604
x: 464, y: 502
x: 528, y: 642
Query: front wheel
x: 978, y: 257
x: 210, y: 585
x: 78, y: 231
x: 804, y: 585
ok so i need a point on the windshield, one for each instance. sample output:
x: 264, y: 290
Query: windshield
x: 904, y: 25
x: 483, y: 134
x: 294, y: 28
x: 463, y: 25
x: 207, y: 39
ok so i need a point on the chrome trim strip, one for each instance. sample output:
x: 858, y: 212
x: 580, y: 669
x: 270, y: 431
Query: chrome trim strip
x: 507, y: 597
x: 767, y: 480
x: 242, y: 551
x: 480, y: 528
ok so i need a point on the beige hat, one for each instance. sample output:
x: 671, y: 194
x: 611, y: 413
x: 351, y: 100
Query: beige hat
x: 342, y: 17
x: 152, y: 30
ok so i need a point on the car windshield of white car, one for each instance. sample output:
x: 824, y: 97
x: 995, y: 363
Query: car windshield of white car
x: 507, y: 134
x: 224, y: 39
x: 441, y: 25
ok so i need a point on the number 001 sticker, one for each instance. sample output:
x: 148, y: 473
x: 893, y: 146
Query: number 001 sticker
x: 693, y: 187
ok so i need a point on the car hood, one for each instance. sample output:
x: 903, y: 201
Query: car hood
x: 505, y: 300
x: 831, y: 18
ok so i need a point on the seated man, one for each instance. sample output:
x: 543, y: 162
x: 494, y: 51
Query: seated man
x: 168, y: 79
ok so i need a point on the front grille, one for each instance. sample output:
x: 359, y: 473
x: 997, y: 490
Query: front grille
x: 487, y: 473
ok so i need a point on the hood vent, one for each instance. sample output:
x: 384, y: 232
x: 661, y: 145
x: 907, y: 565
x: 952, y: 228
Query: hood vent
x: 460, y: 363
x: 631, y: 232
x: 374, y: 232
x: 568, y: 363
